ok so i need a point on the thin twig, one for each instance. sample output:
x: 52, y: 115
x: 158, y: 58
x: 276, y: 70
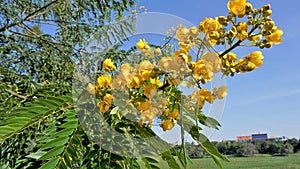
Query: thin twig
x: 16, y: 94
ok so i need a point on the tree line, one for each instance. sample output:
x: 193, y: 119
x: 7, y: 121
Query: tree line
x: 247, y: 149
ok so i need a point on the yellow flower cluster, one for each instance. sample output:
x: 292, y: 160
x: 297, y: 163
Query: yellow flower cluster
x: 159, y: 75
x: 217, y: 33
x: 184, y: 34
x: 142, y: 45
x: 109, y: 65
x: 105, y: 104
x: 171, y: 119
x: 246, y: 64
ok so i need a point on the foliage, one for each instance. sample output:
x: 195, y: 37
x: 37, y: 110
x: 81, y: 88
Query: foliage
x: 270, y: 146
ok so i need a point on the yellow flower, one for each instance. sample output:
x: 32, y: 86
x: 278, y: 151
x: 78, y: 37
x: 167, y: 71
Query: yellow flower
x: 125, y: 68
x: 182, y: 33
x: 184, y: 47
x: 104, y: 80
x: 242, y: 35
x: 135, y: 81
x: 109, y: 65
x: 174, y: 114
x: 229, y: 59
x: 166, y: 125
x: 206, y: 95
x: 145, y: 65
x: 91, y: 88
x: 237, y: 7
x: 182, y: 55
x: 208, y: 25
x: 242, y: 26
x: 149, y: 91
x: 193, y: 32
x: 212, y: 62
x: 201, y: 96
x: 222, y: 20
x: 144, y: 106
x: 103, y: 106
x: 220, y: 93
x: 142, y: 45
x: 120, y: 82
x: 201, y: 70
x: 145, y: 69
x: 256, y: 58
x: 108, y: 98
x: 214, y: 35
x: 275, y: 37
x: 156, y: 82
x: 243, y: 65
x: 254, y: 38
x: 192, y: 65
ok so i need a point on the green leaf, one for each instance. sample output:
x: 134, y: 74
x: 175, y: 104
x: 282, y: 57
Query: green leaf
x: 151, y: 160
x: 50, y: 164
x: 6, y: 129
x: 212, y: 123
x: 217, y: 161
x: 56, y: 142
x: 114, y: 110
x: 64, y: 132
x: 167, y: 156
x: 39, y: 109
x: 53, y: 152
x: 203, y: 141
x: 69, y: 124
x: 36, y: 155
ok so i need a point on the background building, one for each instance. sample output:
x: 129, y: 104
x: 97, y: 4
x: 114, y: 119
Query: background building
x: 262, y: 137
x: 244, y: 138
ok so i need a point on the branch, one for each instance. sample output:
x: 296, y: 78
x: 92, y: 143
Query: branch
x: 15, y: 94
x: 237, y: 43
x: 28, y: 17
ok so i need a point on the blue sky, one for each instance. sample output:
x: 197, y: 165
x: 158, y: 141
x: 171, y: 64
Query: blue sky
x: 267, y: 99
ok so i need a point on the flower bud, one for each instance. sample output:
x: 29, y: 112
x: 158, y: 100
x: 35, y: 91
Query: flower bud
x: 267, y: 13
x: 249, y: 7
x: 267, y: 7
x: 157, y: 51
x: 268, y: 45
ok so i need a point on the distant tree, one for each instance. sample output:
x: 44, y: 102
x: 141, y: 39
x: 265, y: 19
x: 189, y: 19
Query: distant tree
x: 247, y: 150
x: 294, y: 142
x: 222, y: 147
x: 259, y: 144
x: 264, y: 147
x: 274, y: 148
x: 285, y: 149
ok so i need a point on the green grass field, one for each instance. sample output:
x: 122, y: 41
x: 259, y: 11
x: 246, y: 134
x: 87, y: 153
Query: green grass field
x: 258, y: 162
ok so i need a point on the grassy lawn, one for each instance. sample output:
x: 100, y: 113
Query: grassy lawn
x: 258, y: 162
